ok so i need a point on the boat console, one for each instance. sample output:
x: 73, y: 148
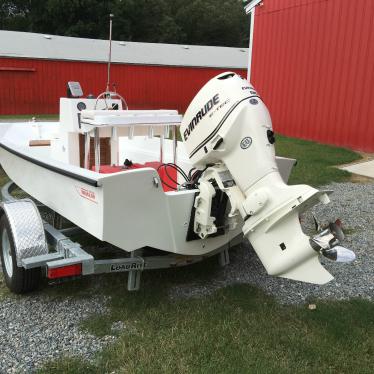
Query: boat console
x: 91, y: 128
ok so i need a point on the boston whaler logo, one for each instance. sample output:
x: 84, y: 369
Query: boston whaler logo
x: 87, y: 194
x: 200, y: 114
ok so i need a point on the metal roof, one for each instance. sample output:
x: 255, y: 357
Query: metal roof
x: 53, y: 47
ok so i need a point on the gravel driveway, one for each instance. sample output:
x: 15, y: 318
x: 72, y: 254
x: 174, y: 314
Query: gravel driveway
x: 28, y: 339
x: 354, y: 204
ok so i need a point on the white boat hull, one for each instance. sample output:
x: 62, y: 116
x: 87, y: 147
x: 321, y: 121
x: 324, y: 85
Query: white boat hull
x: 125, y: 209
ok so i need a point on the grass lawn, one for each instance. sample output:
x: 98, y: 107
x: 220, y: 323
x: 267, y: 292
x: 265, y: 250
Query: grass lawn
x: 237, y: 329
x: 315, y: 162
x: 50, y: 117
x: 4, y: 291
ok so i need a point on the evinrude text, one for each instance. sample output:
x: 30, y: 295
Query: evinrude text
x: 200, y: 114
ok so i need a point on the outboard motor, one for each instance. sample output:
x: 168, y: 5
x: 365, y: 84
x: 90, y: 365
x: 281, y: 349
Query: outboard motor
x: 227, y: 132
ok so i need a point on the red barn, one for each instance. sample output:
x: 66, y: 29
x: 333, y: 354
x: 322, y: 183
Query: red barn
x: 313, y: 63
x: 35, y: 68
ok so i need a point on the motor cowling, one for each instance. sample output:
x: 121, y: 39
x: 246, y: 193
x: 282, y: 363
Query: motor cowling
x: 210, y: 134
x: 227, y: 131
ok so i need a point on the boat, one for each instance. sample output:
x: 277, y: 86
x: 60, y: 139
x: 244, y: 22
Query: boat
x: 129, y: 206
x: 124, y: 177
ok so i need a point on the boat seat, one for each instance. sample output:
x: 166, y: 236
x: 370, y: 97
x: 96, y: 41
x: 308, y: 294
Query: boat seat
x: 171, y: 185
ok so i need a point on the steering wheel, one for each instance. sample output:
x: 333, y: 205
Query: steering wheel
x: 108, y: 96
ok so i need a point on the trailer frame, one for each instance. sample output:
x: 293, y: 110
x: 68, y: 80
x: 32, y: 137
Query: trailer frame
x: 65, y: 256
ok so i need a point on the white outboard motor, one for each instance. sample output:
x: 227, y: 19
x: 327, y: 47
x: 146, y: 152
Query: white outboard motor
x: 227, y: 132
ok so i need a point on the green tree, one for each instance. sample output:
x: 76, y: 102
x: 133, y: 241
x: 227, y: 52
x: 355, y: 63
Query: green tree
x: 210, y: 22
x: 145, y: 21
x: 14, y: 15
x: 204, y: 22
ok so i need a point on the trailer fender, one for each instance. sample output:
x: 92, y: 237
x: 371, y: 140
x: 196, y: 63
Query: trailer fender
x: 27, y: 228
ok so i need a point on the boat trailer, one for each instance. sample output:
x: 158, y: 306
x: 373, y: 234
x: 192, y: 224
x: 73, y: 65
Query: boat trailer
x: 35, y: 244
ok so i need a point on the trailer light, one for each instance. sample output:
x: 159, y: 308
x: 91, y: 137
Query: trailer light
x: 64, y: 271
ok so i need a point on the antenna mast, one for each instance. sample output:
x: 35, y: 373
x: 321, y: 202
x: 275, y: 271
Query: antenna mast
x: 110, y: 51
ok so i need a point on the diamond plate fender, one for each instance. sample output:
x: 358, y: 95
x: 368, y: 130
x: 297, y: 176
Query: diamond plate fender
x: 27, y: 228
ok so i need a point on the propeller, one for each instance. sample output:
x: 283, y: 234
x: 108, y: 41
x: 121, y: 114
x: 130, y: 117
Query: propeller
x: 336, y: 229
x: 327, y: 242
x: 339, y: 254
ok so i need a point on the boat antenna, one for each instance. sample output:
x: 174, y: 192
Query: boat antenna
x: 111, y: 16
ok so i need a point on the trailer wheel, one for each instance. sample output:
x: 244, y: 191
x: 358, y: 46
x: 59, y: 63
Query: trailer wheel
x: 18, y: 279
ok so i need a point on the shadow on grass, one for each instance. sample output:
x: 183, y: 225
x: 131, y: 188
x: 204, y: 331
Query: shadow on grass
x: 238, y: 329
x: 111, y: 284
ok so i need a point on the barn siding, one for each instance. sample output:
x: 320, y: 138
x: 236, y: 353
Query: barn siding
x: 38, y: 89
x: 313, y: 63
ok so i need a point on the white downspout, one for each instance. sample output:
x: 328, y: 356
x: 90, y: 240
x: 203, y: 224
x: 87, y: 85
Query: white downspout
x: 250, y: 48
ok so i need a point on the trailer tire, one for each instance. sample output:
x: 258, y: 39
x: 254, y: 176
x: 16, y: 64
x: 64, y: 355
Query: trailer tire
x: 18, y: 279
